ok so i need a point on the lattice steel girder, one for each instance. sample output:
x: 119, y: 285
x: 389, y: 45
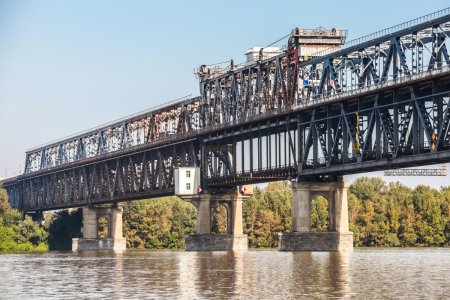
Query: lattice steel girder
x: 416, y: 172
x: 330, y: 138
x: 144, y: 174
x: 390, y: 124
x: 280, y: 83
x: 141, y: 129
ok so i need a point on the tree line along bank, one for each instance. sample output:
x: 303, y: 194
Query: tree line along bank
x: 380, y: 214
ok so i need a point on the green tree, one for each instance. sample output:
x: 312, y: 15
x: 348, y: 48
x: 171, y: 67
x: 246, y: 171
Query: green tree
x: 30, y: 231
x: 319, y: 214
x: 158, y: 223
x: 430, y: 220
x: 267, y: 226
x: 63, y: 226
x: 219, y: 219
x: 445, y: 208
x: 4, y: 205
x: 365, y: 188
x: 8, y: 239
x: 17, y: 234
x: 267, y: 214
x: 103, y: 227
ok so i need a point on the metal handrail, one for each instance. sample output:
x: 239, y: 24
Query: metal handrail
x: 108, y: 124
x: 431, y: 16
x: 387, y: 31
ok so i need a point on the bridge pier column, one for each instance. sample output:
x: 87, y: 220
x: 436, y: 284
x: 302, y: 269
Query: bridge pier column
x: 338, y: 237
x: 110, y: 219
x: 204, y: 239
x: 203, y: 206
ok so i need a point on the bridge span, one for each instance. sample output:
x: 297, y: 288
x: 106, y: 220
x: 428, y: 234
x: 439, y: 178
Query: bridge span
x: 378, y: 102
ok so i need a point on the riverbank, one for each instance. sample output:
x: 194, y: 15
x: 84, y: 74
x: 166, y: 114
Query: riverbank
x: 45, y: 249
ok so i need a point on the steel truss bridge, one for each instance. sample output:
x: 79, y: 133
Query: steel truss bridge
x: 380, y: 102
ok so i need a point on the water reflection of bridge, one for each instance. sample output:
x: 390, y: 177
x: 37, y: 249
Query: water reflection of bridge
x: 240, y: 275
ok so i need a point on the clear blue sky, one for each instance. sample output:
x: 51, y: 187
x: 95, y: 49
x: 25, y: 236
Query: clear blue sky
x: 66, y: 66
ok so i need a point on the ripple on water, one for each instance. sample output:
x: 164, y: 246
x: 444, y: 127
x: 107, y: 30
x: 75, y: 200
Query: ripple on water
x: 365, y: 274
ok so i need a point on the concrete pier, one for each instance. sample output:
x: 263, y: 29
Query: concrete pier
x: 204, y: 239
x: 338, y: 237
x: 90, y: 240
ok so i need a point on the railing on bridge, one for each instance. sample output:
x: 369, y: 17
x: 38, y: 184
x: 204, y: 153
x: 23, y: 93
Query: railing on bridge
x: 160, y: 123
x: 388, y: 31
x: 288, y: 80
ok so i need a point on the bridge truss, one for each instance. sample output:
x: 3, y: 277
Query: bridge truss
x: 383, y: 96
x: 382, y: 101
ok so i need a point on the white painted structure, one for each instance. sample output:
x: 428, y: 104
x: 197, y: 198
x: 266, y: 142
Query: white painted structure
x: 187, y: 180
x: 252, y: 54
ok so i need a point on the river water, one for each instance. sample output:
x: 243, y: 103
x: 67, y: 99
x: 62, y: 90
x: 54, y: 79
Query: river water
x: 361, y: 274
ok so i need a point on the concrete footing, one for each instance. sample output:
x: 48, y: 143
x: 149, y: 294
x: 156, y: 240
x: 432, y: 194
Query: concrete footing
x: 204, y: 239
x: 338, y: 237
x: 91, y: 239
x: 83, y: 244
x: 316, y: 241
x: 217, y: 242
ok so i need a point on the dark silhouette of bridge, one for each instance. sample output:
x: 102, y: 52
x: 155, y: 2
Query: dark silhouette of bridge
x: 378, y: 102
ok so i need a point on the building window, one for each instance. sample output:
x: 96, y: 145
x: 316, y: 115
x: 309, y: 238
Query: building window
x: 188, y: 186
x: 188, y: 174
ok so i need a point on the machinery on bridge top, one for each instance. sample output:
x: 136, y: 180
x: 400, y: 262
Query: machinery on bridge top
x: 302, y: 44
x: 374, y: 103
